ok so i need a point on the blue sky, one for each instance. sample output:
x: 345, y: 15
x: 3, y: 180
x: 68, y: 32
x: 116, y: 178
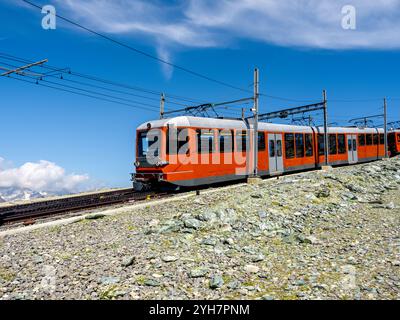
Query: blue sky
x: 299, y: 49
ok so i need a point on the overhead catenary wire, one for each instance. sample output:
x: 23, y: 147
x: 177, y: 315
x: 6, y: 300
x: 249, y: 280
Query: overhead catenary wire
x: 102, y: 80
x: 41, y: 80
x: 89, y: 91
x: 82, y: 94
x: 141, y: 52
x: 163, y: 61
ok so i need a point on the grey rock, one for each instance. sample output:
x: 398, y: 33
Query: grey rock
x: 300, y: 283
x: 228, y: 241
x: 258, y: 258
x: 209, y: 242
x: 349, y: 196
x: 170, y: 226
x: 308, y: 239
x: 207, y: 216
x: 251, y: 268
x: 169, y: 258
x: 233, y: 285
x: 152, y: 283
x: 216, y: 282
x: 323, y: 192
x: 262, y: 214
x: 192, y: 223
x: 95, y: 216
x: 38, y: 259
x: 390, y: 206
x: 109, y: 280
x: 198, y: 272
x: 128, y: 261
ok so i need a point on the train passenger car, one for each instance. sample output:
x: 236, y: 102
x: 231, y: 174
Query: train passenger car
x: 193, y: 151
x: 394, y: 142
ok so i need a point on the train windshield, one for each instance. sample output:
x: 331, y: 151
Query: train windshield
x: 145, y: 144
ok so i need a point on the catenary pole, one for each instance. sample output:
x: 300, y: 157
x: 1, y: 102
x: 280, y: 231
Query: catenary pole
x: 255, y: 112
x: 326, y: 139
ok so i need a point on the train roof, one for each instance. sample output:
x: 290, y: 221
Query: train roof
x: 212, y: 123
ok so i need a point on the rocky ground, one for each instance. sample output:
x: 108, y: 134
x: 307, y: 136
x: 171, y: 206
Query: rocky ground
x: 318, y: 235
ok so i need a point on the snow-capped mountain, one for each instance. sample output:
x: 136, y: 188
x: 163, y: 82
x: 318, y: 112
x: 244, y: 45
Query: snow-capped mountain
x: 14, y: 194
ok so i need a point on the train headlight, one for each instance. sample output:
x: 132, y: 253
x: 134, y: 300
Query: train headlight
x: 161, y: 163
x: 137, y: 164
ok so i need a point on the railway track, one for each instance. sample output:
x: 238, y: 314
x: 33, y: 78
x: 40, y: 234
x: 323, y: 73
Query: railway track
x: 29, y: 212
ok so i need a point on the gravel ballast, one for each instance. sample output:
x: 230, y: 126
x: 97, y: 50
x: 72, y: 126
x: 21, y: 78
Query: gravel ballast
x: 317, y: 235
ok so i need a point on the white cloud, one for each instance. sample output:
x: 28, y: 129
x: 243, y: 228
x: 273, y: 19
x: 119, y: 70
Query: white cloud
x: 210, y: 23
x: 41, y: 176
x: 165, y: 55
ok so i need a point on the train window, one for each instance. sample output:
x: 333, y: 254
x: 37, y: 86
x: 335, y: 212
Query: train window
x: 225, y: 141
x: 205, y: 141
x: 341, y: 143
x: 271, y: 148
x: 350, y: 145
x: 145, y: 142
x: 241, y: 141
x: 376, y: 139
x: 299, y: 145
x: 354, y: 145
x: 332, y: 144
x: 321, y: 144
x: 261, y: 141
x: 289, y: 145
x: 398, y: 138
x: 369, y: 139
x: 361, y: 140
x: 177, y: 141
x: 309, y: 145
x: 279, y: 148
x: 381, y: 139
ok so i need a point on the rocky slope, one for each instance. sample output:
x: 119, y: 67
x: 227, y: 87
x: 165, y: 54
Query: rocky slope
x: 318, y: 235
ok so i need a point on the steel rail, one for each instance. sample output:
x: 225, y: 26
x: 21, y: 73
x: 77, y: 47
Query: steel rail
x: 47, y: 208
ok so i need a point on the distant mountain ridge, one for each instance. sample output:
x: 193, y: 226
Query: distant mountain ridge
x: 11, y: 194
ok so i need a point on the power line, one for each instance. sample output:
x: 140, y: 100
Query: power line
x: 88, y: 91
x: 39, y: 80
x: 355, y: 100
x: 288, y: 99
x: 101, y: 80
x: 81, y: 94
x: 148, y: 55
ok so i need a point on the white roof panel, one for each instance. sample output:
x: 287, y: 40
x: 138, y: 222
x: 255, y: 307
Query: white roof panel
x: 210, y: 123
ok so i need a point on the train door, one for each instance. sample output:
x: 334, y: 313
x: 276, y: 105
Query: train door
x: 352, y: 148
x: 275, y: 154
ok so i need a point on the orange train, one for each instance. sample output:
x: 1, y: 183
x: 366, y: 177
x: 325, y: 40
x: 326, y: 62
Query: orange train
x: 394, y: 142
x: 220, y: 150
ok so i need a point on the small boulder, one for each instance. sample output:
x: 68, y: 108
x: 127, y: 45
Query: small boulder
x: 192, y: 223
x: 251, y: 268
x: 198, y: 272
x: 128, y: 261
x: 169, y: 258
x: 216, y: 282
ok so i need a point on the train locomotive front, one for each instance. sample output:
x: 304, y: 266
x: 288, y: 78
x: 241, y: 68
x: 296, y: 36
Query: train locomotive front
x: 184, y: 152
